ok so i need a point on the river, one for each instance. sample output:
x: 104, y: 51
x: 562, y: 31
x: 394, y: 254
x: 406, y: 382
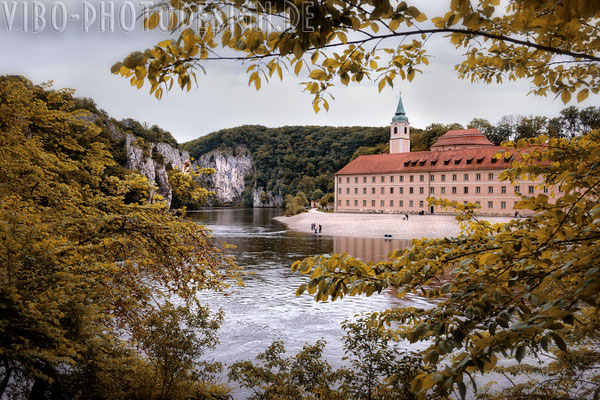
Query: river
x: 267, y: 308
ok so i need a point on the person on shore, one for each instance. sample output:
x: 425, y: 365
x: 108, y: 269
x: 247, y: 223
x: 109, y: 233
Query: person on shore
x: 406, y: 216
x: 320, y: 228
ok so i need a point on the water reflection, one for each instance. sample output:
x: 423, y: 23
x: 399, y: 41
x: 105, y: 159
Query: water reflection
x: 368, y: 249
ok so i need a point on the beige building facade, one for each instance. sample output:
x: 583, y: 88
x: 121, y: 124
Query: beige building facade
x: 461, y: 166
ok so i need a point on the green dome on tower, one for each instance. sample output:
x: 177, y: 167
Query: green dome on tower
x: 400, y: 113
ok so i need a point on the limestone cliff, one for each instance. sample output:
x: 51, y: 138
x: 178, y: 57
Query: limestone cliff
x: 231, y: 179
x: 151, y: 160
x: 228, y: 180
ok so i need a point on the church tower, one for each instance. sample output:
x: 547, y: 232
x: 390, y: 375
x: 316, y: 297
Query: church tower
x: 400, y: 131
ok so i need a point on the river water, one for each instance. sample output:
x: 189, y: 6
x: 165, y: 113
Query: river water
x: 267, y: 308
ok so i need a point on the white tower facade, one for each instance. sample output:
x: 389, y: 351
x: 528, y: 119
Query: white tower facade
x: 400, y: 131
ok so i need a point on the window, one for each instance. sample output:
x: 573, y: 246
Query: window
x: 339, y: 180
x: 373, y: 179
x: 364, y: 203
x: 490, y: 204
x: 410, y: 203
x: 339, y: 202
x: 340, y: 190
x: 355, y: 190
x: 453, y: 189
x: 347, y: 190
x: 443, y: 177
x: 364, y: 190
x: 391, y: 203
x: 477, y: 189
x: 382, y: 190
x: 503, y: 189
x: 372, y: 190
x: 401, y: 190
x: 401, y: 203
x: 347, y: 202
x: 382, y: 202
x: 466, y: 190
x: 391, y: 179
x: 410, y: 190
x: 383, y: 179
x: 491, y: 176
x: 356, y: 179
x: 421, y: 203
x: 545, y: 190
x: 395, y: 129
x: 478, y: 177
x: 431, y: 190
x: 355, y: 203
x: 347, y: 180
x: 503, y: 204
x: 432, y: 178
x: 364, y: 179
x: 530, y: 189
x: 490, y: 189
x: 453, y: 177
x: 517, y: 189
x: 421, y: 178
x: 405, y: 130
x: 372, y: 203
x: 421, y: 190
x: 466, y: 177
x: 478, y: 203
x: 443, y: 190
x: 391, y: 190
x: 401, y: 178
x: 465, y: 202
x: 411, y: 178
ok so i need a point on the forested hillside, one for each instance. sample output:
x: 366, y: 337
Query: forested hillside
x: 291, y: 158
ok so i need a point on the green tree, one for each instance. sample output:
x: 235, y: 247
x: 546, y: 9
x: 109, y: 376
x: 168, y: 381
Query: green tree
x: 80, y: 263
x: 381, y: 148
x: 484, y: 126
x: 317, y: 195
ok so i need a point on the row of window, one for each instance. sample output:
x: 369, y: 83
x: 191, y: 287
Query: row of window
x: 490, y: 204
x: 383, y: 190
x: 411, y: 178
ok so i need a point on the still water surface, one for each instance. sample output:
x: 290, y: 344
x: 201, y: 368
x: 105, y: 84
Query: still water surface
x: 267, y: 309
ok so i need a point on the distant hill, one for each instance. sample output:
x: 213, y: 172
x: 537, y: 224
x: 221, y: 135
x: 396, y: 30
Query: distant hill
x: 291, y: 158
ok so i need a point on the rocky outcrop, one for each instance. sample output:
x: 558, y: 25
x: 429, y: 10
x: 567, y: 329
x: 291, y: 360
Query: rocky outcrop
x: 266, y: 198
x: 228, y: 181
x: 152, y: 161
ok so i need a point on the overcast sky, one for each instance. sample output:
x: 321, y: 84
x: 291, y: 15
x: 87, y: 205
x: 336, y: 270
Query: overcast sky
x: 82, y: 60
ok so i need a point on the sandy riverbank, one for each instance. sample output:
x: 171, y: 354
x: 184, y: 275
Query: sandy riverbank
x: 378, y: 225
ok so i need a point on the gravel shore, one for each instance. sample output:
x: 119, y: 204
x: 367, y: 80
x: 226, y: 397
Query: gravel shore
x: 378, y: 225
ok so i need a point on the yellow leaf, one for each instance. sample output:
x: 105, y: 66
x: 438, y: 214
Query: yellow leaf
x: 298, y: 67
x: 582, y: 95
x: 152, y: 21
x: 318, y: 74
x: 565, y: 96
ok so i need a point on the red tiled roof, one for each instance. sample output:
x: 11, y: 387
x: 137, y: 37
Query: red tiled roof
x: 482, y: 158
x: 462, y: 137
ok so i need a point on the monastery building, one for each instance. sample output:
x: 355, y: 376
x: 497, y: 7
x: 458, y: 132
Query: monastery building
x: 460, y: 166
